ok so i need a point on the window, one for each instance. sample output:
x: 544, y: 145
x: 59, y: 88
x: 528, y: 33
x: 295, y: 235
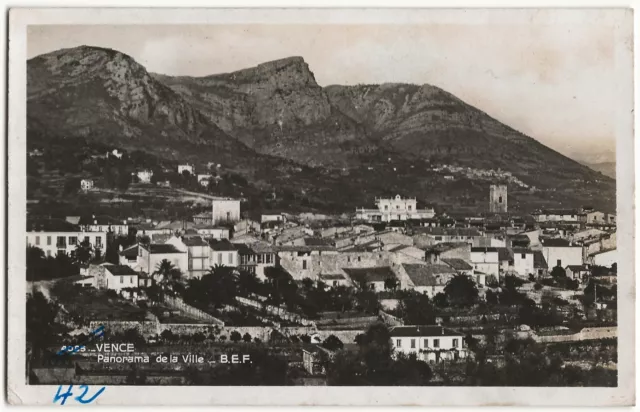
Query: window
x: 397, y: 207
x: 335, y: 283
x: 455, y: 343
x: 48, y: 240
x: 386, y: 207
x: 359, y: 258
x: 348, y: 259
x: 73, y: 240
x: 398, y: 343
x: 413, y: 343
x: 231, y: 258
x: 131, y: 279
x: 86, y: 239
x: 559, y: 262
x: 98, y: 241
x: 61, y: 242
x: 523, y: 255
x: 304, y: 264
x: 37, y: 240
x: 438, y: 237
x: 436, y: 343
x: 409, y: 207
x: 426, y: 343
x: 220, y: 258
x: 500, y: 199
x: 48, y: 253
x: 228, y: 215
x: 121, y: 279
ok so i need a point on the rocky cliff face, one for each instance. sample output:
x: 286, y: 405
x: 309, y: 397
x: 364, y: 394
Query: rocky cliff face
x: 106, y: 95
x: 277, y: 108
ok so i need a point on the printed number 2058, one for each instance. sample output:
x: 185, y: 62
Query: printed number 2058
x: 82, y: 398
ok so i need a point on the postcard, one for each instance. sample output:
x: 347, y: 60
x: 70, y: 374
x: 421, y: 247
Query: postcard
x: 321, y: 207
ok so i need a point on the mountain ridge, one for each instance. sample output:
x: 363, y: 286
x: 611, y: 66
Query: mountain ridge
x: 275, y: 115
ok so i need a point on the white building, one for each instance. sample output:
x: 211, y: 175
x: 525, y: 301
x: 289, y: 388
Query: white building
x: 55, y: 235
x: 204, y: 179
x: 198, y: 254
x: 225, y: 210
x: 523, y: 263
x: 103, y: 223
x: 561, y: 252
x: 428, y: 343
x: 273, y: 217
x: 212, y: 232
x: 86, y: 184
x: 187, y: 167
x: 223, y: 253
x: 486, y: 260
x: 396, y: 208
x: 604, y: 257
x: 557, y: 215
x: 119, y: 277
x: 150, y: 257
x: 145, y: 176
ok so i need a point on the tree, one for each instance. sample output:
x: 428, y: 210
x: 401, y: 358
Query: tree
x: 461, y: 291
x: 333, y: 343
x: 558, y: 273
x: 246, y: 337
x: 235, y: 336
x: 416, y: 309
x: 83, y: 253
x: 40, y: 317
x: 167, y: 335
x: 167, y: 275
x: 71, y: 186
x: 391, y: 283
x: 491, y: 297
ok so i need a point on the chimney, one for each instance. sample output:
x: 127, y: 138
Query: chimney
x: 442, y: 329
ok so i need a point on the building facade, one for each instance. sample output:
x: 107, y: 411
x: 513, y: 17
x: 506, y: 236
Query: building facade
x: 395, y: 208
x: 225, y: 210
x: 498, y: 199
x: 428, y: 343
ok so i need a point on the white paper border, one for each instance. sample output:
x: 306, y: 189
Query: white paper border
x: 19, y: 392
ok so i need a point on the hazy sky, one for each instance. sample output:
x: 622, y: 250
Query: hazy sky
x: 554, y: 82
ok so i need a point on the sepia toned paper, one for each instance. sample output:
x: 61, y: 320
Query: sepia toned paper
x: 321, y: 207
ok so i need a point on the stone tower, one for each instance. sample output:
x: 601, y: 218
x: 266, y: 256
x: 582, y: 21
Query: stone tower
x: 498, y: 199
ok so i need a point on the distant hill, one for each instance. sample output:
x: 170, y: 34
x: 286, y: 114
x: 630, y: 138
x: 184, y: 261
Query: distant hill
x: 335, y: 145
x: 606, y: 168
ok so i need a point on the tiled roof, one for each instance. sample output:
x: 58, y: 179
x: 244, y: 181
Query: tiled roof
x: 121, y: 270
x: 222, y: 245
x: 484, y: 249
x: 102, y: 220
x: 458, y: 264
x: 555, y: 242
x: 51, y: 225
x: 161, y: 248
x: 373, y: 274
x: 131, y: 251
x: 446, y: 231
x: 539, y: 262
x: 428, y: 275
x: 422, y: 331
x: 332, y: 276
x: 194, y: 241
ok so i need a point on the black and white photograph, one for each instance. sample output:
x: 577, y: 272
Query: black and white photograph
x: 432, y: 199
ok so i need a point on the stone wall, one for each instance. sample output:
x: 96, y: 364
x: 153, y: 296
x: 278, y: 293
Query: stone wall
x: 177, y: 303
x: 584, y: 334
x: 274, y: 310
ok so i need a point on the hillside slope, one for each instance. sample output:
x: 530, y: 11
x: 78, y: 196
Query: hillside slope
x: 106, y: 96
x: 334, y: 147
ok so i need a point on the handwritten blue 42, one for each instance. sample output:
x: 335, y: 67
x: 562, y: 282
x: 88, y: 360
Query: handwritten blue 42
x: 62, y: 396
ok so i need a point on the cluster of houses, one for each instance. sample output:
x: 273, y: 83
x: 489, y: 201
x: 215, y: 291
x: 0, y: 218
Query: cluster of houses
x: 144, y: 175
x: 398, y: 246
